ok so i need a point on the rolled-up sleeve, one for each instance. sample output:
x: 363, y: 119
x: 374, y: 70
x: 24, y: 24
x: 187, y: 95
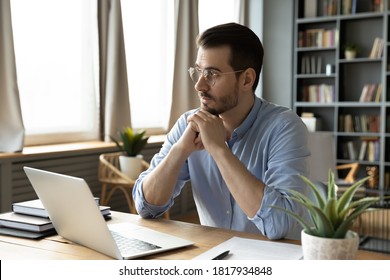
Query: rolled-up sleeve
x: 145, y: 209
x: 284, y: 160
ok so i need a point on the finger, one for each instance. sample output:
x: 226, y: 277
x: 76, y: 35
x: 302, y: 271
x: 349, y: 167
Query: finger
x: 204, y: 114
x: 194, y: 126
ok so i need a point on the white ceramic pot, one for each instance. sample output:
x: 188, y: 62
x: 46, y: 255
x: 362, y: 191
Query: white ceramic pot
x: 350, y: 55
x: 320, y: 248
x: 131, y: 166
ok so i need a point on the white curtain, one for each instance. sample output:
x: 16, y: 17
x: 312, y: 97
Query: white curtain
x: 114, y: 92
x: 187, y: 29
x: 11, y: 122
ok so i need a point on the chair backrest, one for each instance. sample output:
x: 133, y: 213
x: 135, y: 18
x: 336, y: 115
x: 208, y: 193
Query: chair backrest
x: 321, y: 145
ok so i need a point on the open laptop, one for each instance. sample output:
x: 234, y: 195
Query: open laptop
x: 75, y: 216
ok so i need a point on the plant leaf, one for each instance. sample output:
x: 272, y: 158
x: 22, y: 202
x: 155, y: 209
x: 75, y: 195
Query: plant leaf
x: 117, y: 143
x: 322, y: 223
x: 319, y: 198
x: 331, y: 212
x: 357, y: 203
x: 347, y: 196
x: 331, y: 185
x: 346, y: 224
x: 307, y: 226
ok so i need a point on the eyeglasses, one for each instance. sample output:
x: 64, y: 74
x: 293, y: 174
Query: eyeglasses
x: 208, y: 74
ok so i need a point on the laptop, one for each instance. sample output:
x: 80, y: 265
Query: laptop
x: 76, y: 217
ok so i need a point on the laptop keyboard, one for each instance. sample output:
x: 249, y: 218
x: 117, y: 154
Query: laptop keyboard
x: 129, y: 246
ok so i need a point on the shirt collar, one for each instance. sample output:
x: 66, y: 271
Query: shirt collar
x: 249, y: 120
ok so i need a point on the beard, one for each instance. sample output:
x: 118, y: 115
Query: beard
x: 223, y: 104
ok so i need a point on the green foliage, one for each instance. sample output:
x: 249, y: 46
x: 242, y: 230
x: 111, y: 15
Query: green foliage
x: 350, y: 47
x: 332, y: 217
x: 131, y: 142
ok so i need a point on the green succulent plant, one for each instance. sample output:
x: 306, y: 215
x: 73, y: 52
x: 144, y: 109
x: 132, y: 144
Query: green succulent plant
x: 332, y: 216
x: 131, y: 142
x: 350, y: 47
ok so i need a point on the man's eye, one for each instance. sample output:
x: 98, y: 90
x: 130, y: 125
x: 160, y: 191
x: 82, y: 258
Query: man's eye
x: 208, y: 74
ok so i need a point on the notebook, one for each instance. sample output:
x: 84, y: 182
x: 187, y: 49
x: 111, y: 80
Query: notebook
x: 76, y: 217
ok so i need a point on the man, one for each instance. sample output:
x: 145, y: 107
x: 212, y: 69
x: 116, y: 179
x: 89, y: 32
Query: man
x: 241, y: 153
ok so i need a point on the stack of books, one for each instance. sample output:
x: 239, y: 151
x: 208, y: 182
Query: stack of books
x: 30, y: 219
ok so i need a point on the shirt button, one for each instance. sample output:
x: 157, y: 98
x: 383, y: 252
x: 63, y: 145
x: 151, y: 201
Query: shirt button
x: 227, y: 212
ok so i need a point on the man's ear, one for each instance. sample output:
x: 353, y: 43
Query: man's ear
x: 249, y: 77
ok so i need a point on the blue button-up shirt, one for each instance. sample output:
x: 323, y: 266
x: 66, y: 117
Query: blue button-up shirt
x: 272, y: 144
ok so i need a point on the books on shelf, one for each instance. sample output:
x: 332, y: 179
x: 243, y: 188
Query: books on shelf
x: 359, y: 123
x: 329, y: 7
x: 34, y: 207
x: 322, y: 93
x: 311, y: 65
x: 371, y: 93
x: 367, y: 149
x: 319, y: 38
x: 377, y: 48
x: 376, y: 5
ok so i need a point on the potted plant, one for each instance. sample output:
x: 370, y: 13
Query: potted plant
x: 350, y: 50
x: 132, y: 142
x: 329, y: 235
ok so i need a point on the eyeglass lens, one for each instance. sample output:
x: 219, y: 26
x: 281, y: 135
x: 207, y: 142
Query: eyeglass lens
x: 196, y: 73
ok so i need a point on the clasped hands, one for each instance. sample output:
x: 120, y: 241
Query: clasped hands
x: 204, y: 131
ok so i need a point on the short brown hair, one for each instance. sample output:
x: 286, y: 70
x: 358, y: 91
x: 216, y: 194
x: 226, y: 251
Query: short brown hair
x: 247, y: 50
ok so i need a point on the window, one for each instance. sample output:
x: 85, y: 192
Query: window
x: 208, y: 17
x: 56, y: 54
x: 149, y: 43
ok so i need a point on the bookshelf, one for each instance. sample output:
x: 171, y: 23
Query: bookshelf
x: 351, y: 97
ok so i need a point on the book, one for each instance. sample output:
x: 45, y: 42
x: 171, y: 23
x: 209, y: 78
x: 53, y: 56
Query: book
x: 378, y: 93
x: 25, y: 222
x: 34, y: 207
x: 25, y: 233
x: 351, y: 150
x: 363, y: 95
x: 363, y: 149
x: 36, y: 223
x: 377, y: 48
x: 346, y: 7
x: 371, y: 151
x: 310, y: 8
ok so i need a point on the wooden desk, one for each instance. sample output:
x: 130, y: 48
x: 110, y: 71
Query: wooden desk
x: 56, y: 247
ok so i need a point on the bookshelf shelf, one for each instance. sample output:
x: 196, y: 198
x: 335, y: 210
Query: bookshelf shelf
x: 367, y: 26
x: 361, y: 60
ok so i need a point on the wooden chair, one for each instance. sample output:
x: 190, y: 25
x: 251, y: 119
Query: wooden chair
x: 113, y: 180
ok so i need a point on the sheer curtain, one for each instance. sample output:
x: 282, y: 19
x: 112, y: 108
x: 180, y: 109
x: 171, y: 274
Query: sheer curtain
x: 56, y: 56
x: 114, y: 91
x: 148, y: 27
x: 186, y: 30
x: 11, y: 123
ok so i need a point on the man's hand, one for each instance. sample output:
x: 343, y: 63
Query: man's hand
x: 190, y: 141
x: 210, y: 129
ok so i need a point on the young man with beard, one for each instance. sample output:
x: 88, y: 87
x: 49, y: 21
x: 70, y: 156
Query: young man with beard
x: 240, y: 152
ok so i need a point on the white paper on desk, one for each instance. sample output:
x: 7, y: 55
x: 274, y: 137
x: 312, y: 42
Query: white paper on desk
x: 251, y: 249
